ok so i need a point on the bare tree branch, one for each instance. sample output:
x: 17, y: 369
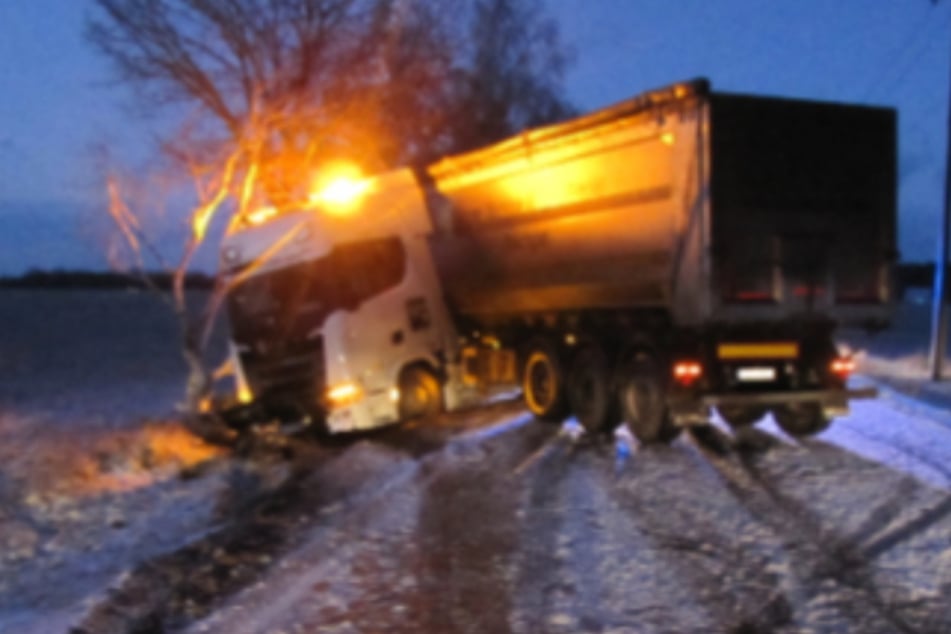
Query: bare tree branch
x: 282, y: 86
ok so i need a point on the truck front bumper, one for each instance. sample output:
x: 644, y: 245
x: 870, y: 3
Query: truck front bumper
x: 695, y: 409
x: 376, y: 410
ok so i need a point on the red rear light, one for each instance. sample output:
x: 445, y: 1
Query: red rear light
x: 687, y: 372
x: 842, y: 367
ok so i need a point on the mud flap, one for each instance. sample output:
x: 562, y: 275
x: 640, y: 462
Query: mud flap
x: 695, y: 409
x: 688, y: 411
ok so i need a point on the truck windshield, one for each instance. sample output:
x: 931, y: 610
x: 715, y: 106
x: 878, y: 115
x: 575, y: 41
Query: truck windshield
x: 288, y: 303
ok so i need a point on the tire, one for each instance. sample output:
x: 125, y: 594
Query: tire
x: 420, y: 393
x: 801, y: 419
x: 589, y: 390
x: 739, y: 416
x: 642, y: 401
x: 543, y: 384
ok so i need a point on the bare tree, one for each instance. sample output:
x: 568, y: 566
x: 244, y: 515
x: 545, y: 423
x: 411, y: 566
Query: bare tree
x: 277, y: 87
x: 513, y: 65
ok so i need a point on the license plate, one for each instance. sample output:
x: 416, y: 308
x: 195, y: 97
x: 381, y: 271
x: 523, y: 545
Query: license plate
x: 756, y: 375
x: 771, y: 350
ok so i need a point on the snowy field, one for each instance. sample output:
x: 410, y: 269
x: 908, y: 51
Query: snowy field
x: 91, y: 460
x: 100, y: 358
x: 901, y: 352
x: 114, y: 520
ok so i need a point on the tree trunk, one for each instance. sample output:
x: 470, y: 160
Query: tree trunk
x: 200, y: 417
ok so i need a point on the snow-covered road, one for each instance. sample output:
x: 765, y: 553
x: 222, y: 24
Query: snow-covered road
x: 485, y: 521
x: 504, y: 524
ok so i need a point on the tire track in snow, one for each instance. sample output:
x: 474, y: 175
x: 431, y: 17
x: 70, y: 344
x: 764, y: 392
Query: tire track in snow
x: 819, y: 554
x: 426, y: 553
x: 568, y: 506
x: 624, y: 549
x: 893, y: 428
x: 175, y: 589
x: 668, y: 496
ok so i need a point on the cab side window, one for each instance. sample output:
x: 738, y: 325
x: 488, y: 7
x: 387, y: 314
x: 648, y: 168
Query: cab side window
x: 369, y: 268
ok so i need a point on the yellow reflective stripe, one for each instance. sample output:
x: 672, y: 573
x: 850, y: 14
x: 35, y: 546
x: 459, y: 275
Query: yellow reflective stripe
x: 773, y: 350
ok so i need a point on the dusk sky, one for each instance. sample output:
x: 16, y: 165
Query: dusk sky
x: 56, y: 105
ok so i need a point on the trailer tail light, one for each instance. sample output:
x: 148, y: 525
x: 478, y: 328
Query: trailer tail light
x: 687, y: 373
x: 842, y: 367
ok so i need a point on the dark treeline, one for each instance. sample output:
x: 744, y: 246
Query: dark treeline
x: 908, y: 275
x: 100, y: 280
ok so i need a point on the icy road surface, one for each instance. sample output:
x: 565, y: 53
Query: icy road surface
x: 507, y: 525
x: 113, y: 521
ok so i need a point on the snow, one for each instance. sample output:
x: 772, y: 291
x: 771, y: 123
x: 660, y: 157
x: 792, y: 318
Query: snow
x: 521, y: 527
x: 114, y: 519
x: 94, y: 475
x: 792, y: 537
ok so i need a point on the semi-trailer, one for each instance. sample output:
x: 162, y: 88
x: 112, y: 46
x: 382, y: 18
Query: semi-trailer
x: 680, y: 251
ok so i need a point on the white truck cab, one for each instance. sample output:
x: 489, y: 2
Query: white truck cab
x: 336, y: 312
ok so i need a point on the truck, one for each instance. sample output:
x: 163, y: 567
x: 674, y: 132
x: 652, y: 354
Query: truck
x: 682, y: 251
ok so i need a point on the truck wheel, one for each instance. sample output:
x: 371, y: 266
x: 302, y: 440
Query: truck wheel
x: 801, y: 419
x: 420, y: 393
x: 543, y: 384
x: 641, y: 396
x: 738, y: 416
x: 589, y: 389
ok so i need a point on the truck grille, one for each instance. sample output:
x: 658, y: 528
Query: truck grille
x: 273, y: 318
x: 286, y: 374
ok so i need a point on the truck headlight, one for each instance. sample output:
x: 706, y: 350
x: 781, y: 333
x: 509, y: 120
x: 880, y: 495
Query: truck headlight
x: 344, y: 394
x: 245, y: 395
